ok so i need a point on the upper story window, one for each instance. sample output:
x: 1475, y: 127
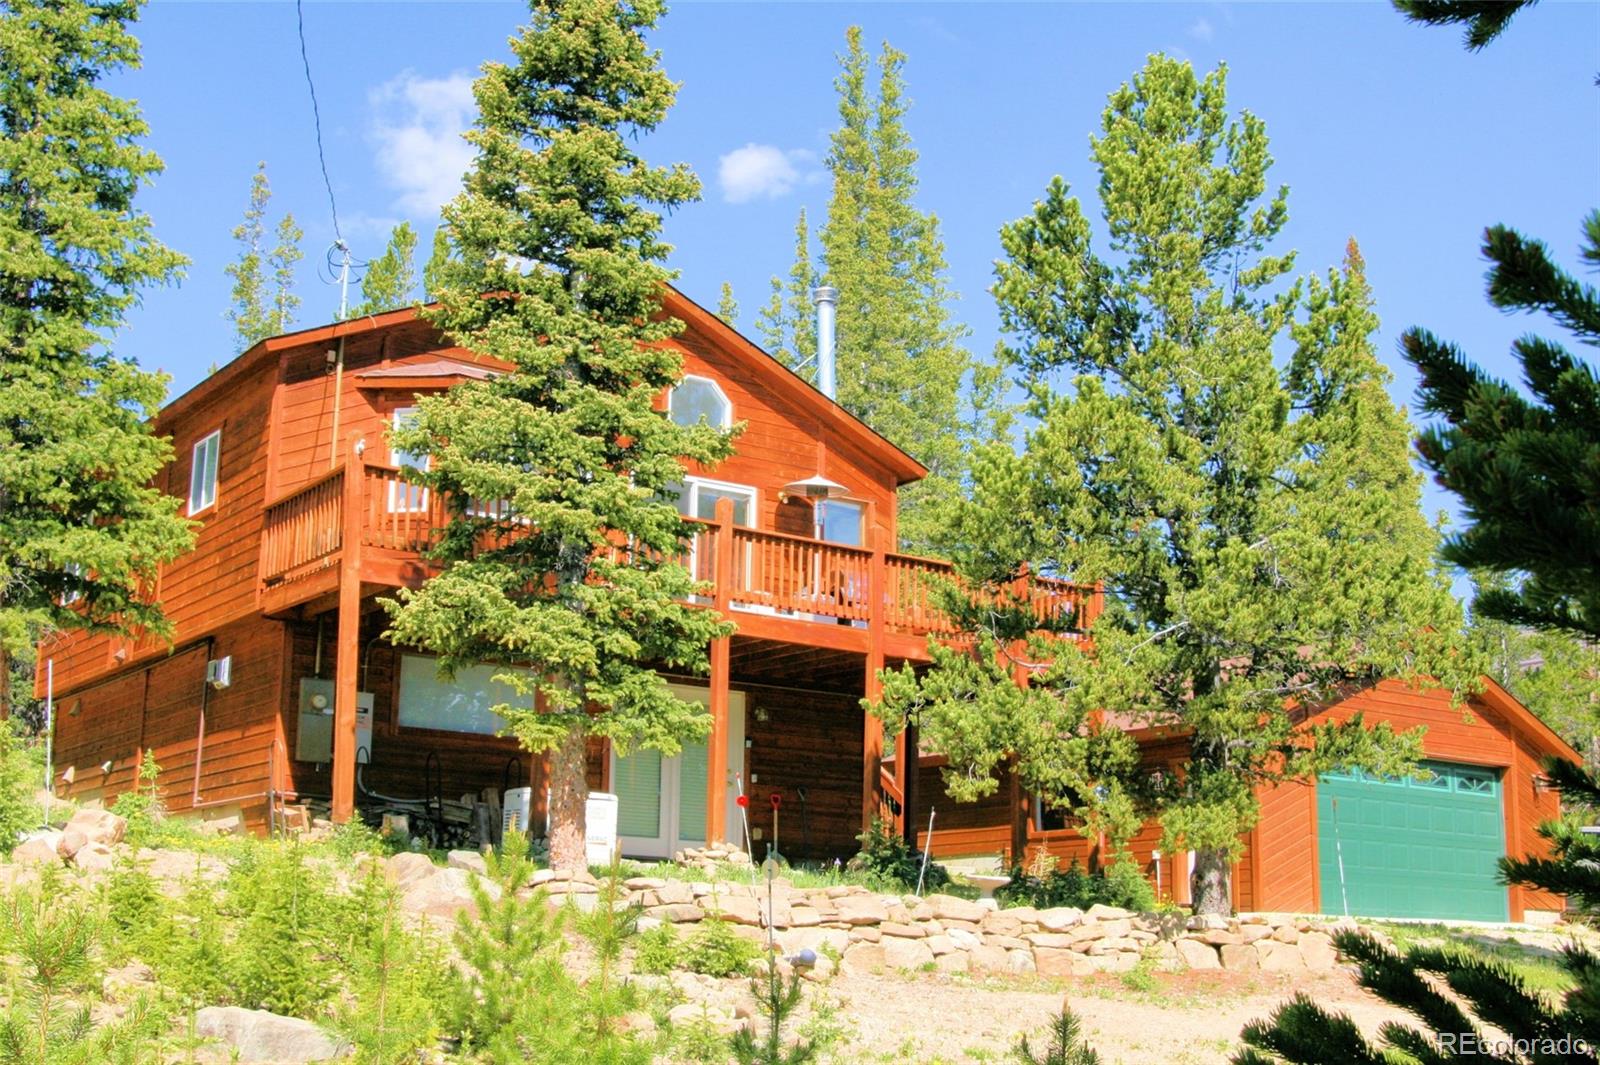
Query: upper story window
x: 203, y: 472
x: 404, y: 496
x: 696, y: 398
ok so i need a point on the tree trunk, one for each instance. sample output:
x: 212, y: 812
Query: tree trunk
x: 569, y: 796
x: 1211, y: 885
x: 5, y: 684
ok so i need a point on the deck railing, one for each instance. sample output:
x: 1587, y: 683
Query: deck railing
x: 766, y: 572
x: 303, y: 531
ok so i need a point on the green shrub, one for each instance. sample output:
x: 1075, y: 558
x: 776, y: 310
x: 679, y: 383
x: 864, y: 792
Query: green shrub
x: 885, y: 857
x: 51, y: 941
x: 141, y: 805
x: 715, y: 949
x: 396, y: 980
x: 1066, y: 1046
x: 20, y: 774
x: 1118, y: 884
x: 287, y: 918
x: 189, y: 950
x: 657, y: 950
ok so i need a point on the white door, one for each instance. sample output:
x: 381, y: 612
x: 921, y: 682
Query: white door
x: 661, y: 802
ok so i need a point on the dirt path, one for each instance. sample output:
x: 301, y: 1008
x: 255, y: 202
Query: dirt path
x: 934, y: 1018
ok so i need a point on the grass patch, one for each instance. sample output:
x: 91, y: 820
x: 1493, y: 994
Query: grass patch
x: 1539, y: 967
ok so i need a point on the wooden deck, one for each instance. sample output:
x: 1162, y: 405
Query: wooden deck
x: 773, y: 585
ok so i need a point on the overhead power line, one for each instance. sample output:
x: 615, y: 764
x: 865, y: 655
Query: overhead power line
x: 316, y: 117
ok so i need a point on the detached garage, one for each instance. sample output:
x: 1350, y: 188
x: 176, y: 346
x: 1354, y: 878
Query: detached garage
x: 1374, y: 847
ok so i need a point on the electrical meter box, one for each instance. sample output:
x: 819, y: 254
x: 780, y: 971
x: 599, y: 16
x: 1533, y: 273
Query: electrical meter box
x: 313, y: 740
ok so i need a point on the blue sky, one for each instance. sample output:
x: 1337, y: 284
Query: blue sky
x: 1385, y: 131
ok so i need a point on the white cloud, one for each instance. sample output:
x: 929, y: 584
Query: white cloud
x: 416, y: 130
x: 762, y: 171
x: 1202, y: 30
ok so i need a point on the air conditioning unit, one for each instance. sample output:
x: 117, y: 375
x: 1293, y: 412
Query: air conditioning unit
x: 219, y: 671
x: 516, y: 807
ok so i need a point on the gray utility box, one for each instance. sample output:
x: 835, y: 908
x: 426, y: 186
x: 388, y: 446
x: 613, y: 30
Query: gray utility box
x: 313, y: 740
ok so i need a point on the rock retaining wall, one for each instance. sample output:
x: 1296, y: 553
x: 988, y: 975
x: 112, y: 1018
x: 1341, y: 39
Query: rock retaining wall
x: 872, y: 931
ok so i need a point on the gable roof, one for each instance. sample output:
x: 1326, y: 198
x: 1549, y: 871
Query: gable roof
x: 777, y: 377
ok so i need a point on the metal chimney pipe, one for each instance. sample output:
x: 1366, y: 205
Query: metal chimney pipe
x: 826, y: 298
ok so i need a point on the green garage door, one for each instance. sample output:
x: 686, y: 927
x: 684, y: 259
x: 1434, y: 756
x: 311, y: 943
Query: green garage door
x: 1412, y: 848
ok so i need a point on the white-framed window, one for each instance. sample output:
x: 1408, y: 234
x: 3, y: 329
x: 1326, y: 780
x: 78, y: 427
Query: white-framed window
x: 842, y: 521
x: 402, y: 495
x: 697, y: 498
x: 459, y: 705
x: 203, y: 471
x: 696, y: 399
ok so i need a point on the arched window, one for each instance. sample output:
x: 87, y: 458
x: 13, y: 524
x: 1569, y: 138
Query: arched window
x: 695, y: 398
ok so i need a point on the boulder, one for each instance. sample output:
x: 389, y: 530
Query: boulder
x: 1060, y: 918
x: 1021, y: 962
x: 1286, y: 934
x: 408, y: 867
x: 949, y: 907
x: 868, y: 957
x: 675, y: 892
x: 1317, y: 950
x: 963, y: 939
x: 1277, y: 956
x: 1240, y: 956
x: 94, y: 858
x: 1002, y: 922
x: 1102, y: 912
x: 906, y: 953
x: 804, y: 917
x: 471, y: 861
x: 903, y: 931
x: 444, y: 893
x: 1121, y: 961
x: 677, y: 912
x: 988, y: 959
x: 738, y: 909
x: 97, y: 826
x: 861, y: 909
x: 940, y: 944
x: 260, y: 1037
x: 957, y: 961
x: 1051, y: 961
x: 38, y: 848
x: 1197, y: 955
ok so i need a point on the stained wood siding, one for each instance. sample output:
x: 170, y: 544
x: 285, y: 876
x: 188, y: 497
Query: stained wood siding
x: 157, y: 706
x: 809, y: 740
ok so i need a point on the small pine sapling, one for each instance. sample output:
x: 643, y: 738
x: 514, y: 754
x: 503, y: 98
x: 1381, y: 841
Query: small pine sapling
x: 141, y: 806
x: 396, y: 977
x: 52, y: 940
x: 607, y: 999
x: 776, y: 1000
x: 1066, y: 1046
x: 512, y: 994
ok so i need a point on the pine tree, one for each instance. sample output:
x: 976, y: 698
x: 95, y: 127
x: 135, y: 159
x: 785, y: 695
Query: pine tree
x: 440, y: 260
x: 391, y: 277
x: 558, y: 230
x: 1257, y: 530
x: 261, y: 308
x: 901, y: 364
x: 83, y: 530
x: 788, y: 323
x: 776, y: 1000
x: 1524, y: 465
x: 1066, y: 1045
x: 727, y: 306
x: 1485, y: 19
x: 513, y: 996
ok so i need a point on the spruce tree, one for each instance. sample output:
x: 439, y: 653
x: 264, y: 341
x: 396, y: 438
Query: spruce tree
x: 1484, y: 19
x: 560, y: 275
x: 901, y: 363
x: 788, y: 323
x: 727, y: 306
x: 83, y: 531
x: 391, y: 277
x: 438, y: 264
x: 263, y: 306
x: 1257, y: 529
x: 1526, y: 465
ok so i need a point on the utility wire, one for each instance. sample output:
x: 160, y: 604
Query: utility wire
x: 316, y: 116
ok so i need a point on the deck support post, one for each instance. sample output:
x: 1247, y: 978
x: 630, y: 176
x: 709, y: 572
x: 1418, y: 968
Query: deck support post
x: 721, y: 654
x: 872, y: 687
x: 348, y: 656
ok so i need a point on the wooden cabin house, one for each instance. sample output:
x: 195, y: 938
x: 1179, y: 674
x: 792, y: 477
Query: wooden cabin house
x: 307, y: 523
x: 280, y: 688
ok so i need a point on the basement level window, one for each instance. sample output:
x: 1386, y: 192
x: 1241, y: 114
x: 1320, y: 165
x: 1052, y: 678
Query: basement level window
x: 203, y: 472
x: 461, y: 704
x: 697, y: 399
